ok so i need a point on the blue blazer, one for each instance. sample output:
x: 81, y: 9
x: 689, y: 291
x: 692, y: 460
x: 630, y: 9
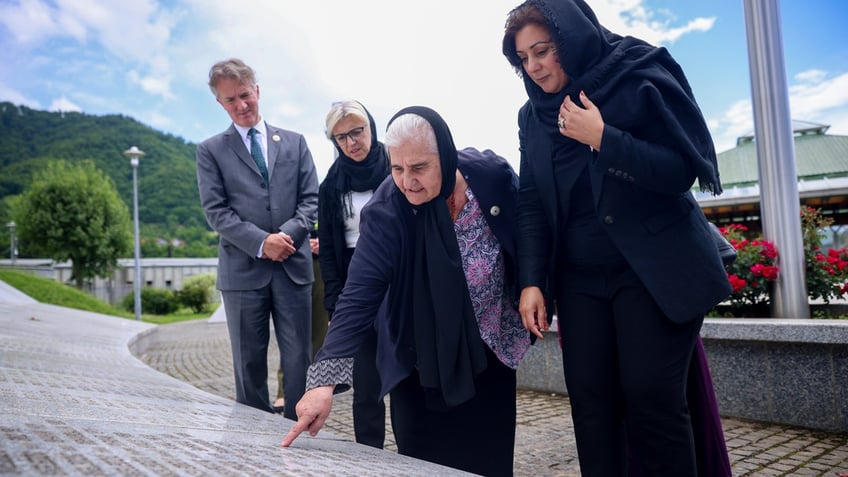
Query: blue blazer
x: 378, y: 273
x: 642, y: 197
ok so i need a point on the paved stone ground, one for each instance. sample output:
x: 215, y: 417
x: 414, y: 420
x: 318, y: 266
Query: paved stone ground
x: 198, y: 352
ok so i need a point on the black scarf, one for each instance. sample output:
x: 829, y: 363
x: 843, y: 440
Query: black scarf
x: 360, y: 176
x: 449, y: 349
x: 607, y: 66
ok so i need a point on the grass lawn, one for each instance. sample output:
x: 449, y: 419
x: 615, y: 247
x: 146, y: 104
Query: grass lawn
x: 46, y: 290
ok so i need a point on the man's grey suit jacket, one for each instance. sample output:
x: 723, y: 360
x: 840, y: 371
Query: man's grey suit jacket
x: 243, y: 210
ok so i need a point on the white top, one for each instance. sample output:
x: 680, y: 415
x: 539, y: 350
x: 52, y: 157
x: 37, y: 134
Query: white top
x: 351, y: 224
x: 261, y: 136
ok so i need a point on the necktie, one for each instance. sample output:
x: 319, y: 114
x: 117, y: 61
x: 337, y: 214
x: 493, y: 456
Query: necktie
x: 256, y: 152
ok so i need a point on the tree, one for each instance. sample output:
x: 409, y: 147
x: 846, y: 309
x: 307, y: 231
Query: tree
x: 73, y: 212
x: 30, y: 139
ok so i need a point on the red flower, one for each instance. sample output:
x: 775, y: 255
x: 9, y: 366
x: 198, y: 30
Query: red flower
x: 769, y: 251
x: 769, y: 272
x: 737, y: 283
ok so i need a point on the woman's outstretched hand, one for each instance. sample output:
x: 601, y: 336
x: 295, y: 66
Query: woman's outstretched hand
x: 312, y: 411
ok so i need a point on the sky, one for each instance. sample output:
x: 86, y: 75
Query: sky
x: 149, y: 60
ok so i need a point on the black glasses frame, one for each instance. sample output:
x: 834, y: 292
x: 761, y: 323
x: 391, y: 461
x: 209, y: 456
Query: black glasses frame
x: 354, y: 134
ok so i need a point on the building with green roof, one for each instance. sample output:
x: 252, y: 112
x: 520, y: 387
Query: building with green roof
x: 821, y: 162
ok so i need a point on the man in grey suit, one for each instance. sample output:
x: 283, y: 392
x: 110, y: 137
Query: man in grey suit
x: 259, y: 191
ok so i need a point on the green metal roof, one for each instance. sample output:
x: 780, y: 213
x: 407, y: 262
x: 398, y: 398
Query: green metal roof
x: 817, y: 155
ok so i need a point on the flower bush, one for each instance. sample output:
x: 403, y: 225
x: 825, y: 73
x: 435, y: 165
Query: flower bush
x: 827, y: 272
x: 752, y: 274
x: 754, y: 269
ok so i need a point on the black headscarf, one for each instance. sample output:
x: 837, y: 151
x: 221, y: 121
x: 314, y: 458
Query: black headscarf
x: 364, y: 175
x: 608, y: 67
x: 449, y: 349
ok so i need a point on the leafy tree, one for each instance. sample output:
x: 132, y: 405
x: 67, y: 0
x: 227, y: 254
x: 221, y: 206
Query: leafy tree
x: 73, y: 212
x: 168, y: 197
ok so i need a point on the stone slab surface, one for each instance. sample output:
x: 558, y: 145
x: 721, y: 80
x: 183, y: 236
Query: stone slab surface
x: 544, y: 441
x: 75, y: 401
x: 10, y: 294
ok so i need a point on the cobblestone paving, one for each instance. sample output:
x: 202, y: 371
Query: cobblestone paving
x: 198, y: 352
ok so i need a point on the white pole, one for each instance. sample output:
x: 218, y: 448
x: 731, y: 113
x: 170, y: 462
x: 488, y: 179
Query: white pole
x: 134, y: 153
x: 779, y: 199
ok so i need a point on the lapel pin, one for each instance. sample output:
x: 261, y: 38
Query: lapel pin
x: 495, y: 210
x: 276, y: 138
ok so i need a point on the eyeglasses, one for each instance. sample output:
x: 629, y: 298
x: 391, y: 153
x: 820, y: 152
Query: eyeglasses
x: 354, y: 134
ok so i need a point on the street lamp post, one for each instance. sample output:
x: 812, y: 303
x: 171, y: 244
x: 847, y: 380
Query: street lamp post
x: 13, y: 245
x: 134, y: 153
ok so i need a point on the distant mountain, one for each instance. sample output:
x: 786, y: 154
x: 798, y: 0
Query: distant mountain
x: 167, y: 188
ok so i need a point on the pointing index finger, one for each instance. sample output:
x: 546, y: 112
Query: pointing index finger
x: 300, y: 426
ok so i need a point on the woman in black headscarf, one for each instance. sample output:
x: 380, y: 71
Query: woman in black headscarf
x: 611, y: 142
x: 436, y: 257
x: 361, y: 165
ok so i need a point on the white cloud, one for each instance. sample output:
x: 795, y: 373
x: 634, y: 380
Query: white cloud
x: 157, y: 86
x: 735, y: 122
x: 157, y: 120
x: 811, y: 76
x: 14, y: 96
x: 815, y: 97
x: 65, y: 105
x: 817, y: 93
x: 631, y: 17
x: 134, y: 32
x: 29, y: 22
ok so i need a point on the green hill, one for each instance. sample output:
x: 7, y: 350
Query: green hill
x: 169, y: 206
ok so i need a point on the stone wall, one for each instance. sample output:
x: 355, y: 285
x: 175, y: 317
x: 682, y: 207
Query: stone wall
x: 792, y: 372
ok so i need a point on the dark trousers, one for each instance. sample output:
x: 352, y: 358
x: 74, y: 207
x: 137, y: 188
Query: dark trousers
x: 626, y: 370
x: 477, y: 436
x: 249, y: 314
x: 320, y: 321
x: 369, y: 408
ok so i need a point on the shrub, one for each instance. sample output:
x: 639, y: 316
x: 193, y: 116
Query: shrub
x: 197, y: 292
x: 827, y: 272
x: 754, y: 270
x: 155, y: 301
x: 194, y: 298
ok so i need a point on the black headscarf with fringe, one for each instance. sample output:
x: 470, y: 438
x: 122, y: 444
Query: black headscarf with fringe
x: 611, y: 70
x: 449, y: 349
x: 360, y: 176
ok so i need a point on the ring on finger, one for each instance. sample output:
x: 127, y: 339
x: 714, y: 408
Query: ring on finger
x: 561, y: 123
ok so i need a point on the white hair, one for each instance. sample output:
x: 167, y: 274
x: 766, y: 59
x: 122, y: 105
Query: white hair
x: 413, y: 128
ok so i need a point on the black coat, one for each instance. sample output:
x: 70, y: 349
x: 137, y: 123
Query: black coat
x: 331, y: 237
x: 647, y: 209
x: 380, y: 268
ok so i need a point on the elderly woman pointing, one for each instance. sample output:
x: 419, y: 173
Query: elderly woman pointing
x: 436, y: 257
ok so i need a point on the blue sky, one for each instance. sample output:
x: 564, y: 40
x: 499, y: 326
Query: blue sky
x: 149, y: 59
